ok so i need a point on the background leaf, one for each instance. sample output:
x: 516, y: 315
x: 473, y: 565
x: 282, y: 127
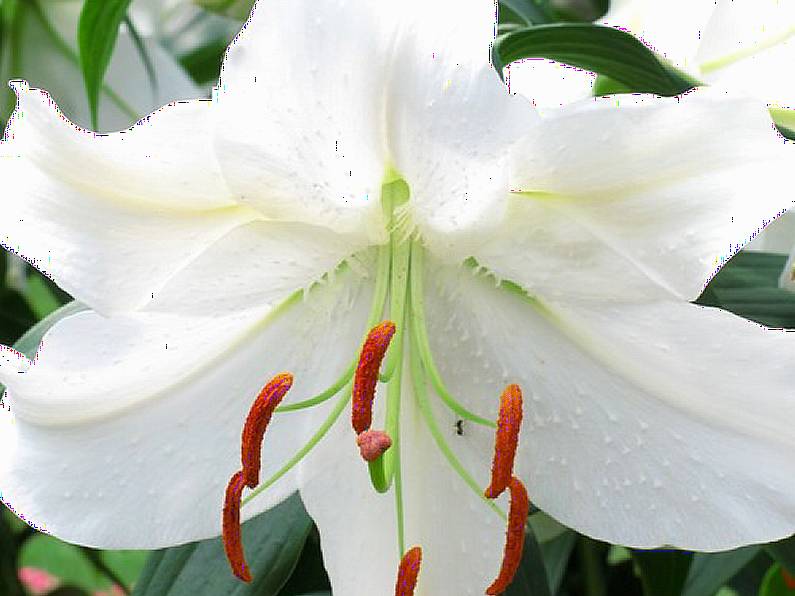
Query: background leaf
x: 97, y: 32
x: 710, y: 571
x: 273, y: 542
x: 603, y: 50
x: 662, y: 572
x: 748, y: 286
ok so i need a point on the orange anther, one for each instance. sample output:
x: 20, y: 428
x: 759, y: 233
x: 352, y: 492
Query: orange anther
x: 507, y: 438
x: 514, y: 542
x: 257, y: 421
x: 366, y: 376
x: 373, y: 443
x: 408, y: 571
x: 233, y: 546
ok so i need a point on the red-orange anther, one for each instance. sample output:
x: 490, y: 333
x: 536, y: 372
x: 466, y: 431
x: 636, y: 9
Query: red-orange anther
x: 507, y: 437
x: 514, y: 541
x: 366, y: 376
x: 373, y: 443
x: 257, y: 421
x: 408, y: 572
x: 233, y: 546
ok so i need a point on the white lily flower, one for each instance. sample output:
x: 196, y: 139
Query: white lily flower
x: 357, y: 154
x: 47, y: 57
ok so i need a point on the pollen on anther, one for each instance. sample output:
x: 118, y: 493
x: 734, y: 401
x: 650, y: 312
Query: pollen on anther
x: 408, y: 572
x: 509, y: 423
x: 257, y: 421
x: 514, y: 541
x: 366, y: 377
x: 230, y: 528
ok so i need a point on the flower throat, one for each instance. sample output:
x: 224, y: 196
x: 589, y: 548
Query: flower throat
x: 396, y: 322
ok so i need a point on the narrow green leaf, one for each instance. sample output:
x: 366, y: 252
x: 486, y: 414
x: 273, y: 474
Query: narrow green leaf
x: 710, y: 571
x: 604, y: 50
x: 531, y: 577
x: 272, y: 541
x: 97, y: 32
x: 783, y: 551
x: 662, y: 572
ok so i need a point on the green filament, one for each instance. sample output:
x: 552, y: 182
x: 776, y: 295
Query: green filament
x: 421, y: 395
x: 424, y: 346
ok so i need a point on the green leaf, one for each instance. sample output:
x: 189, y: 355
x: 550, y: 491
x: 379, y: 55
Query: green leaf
x: 556, y: 553
x: 710, y: 571
x: 748, y: 286
x: 783, y: 551
x: 662, y: 572
x: 273, y: 542
x: 64, y: 561
x: 774, y: 584
x: 531, y: 577
x: 204, y: 63
x: 531, y: 12
x: 97, y: 32
x: 604, y: 50
x: 237, y: 9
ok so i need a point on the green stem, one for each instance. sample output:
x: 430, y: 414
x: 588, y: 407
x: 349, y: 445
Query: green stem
x: 321, y: 397
x: 421, y: 395
x: 420, y: 331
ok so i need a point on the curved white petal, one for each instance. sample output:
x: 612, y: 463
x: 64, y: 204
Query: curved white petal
x: 646, y: 198
x: 746, y: 44
x: 451, y: 123
x: 461, y: 538
x: 645, y: 424
x: 548, y: 84
x: 778, y: 236
x: 672, y: 29
x: 255, y: 264
x: 55, y: 67
x: 301, y: 98
x: 125, y: 431
x: 112, y: 217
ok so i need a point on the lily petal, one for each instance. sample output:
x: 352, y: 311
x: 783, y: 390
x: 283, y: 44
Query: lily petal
x: 639, y: 198
x: 451, y: 122
x: 644, y: 423
x: 111, y: 446
x: 303, y: 139
x: 461, y: 538
x: 548, y: 84
x: 113, y: 237
x: 746, y: 44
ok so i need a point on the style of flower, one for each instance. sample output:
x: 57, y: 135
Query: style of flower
x: 362, y: 178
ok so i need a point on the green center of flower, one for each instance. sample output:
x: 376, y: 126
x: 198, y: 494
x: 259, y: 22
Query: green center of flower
x: 397, y: 326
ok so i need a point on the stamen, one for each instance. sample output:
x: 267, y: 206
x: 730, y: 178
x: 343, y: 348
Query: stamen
x: 233, y: 545
x: 366, y: 376
x: 514, y: 542
x: 373, y: 443
x: 507, y: 437
x: 257, y: 421
x: 408, y: 572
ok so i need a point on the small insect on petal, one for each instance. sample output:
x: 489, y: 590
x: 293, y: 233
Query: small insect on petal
x: 366, y: 376
x: 507, y: 438
x: 257, y: 421
x: 230, y: 528
x: 408, y: 572
x: 373, y: 443
x: 514, y: 541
